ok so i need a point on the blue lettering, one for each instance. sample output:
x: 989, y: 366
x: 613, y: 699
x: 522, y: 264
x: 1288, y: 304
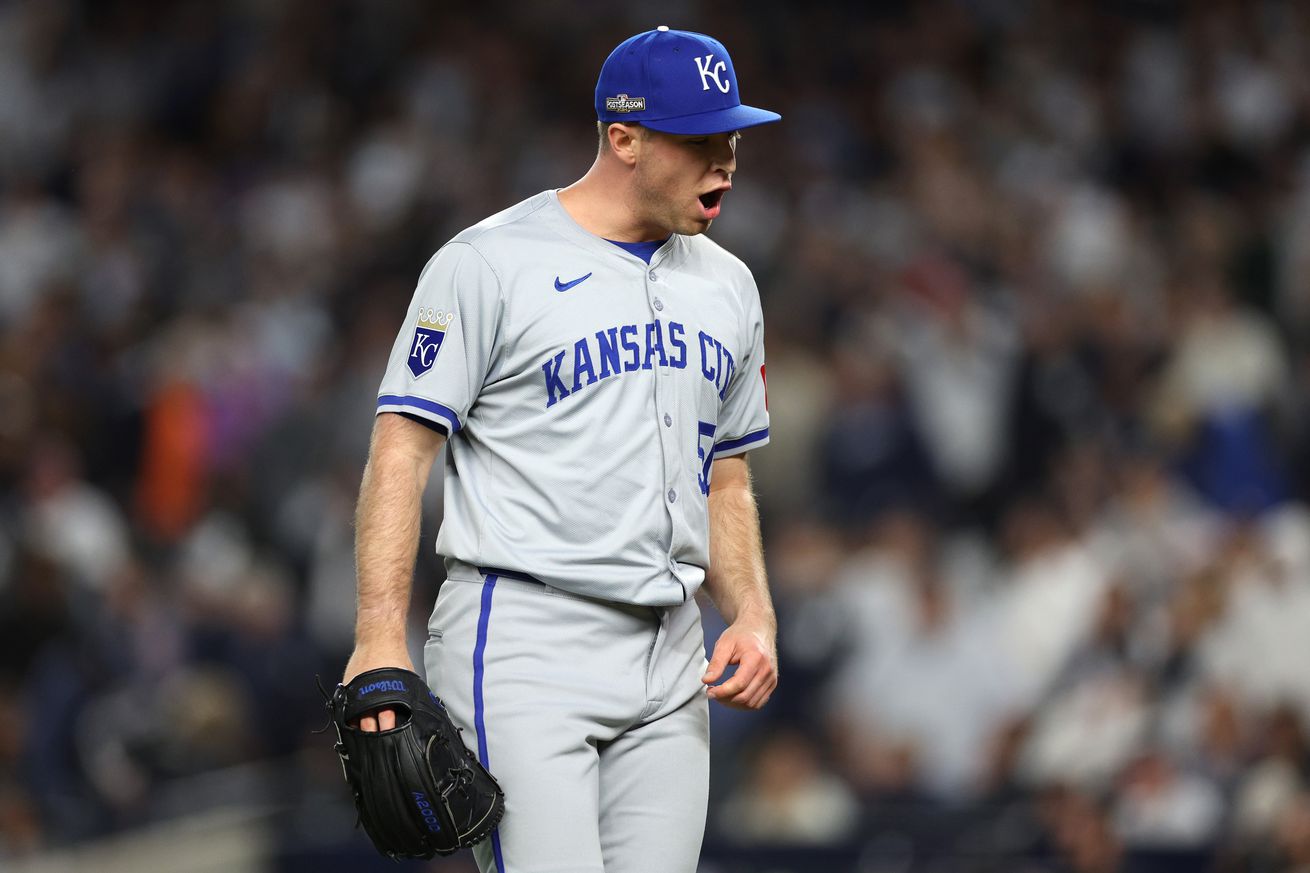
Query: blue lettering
x: 582, y: 361
x: 555, y: 389
x: 384, y: 685
x: 728, y: 370
x: 609, y: 351
x: 665, y: 345
x: 655, y: 343
x: 705, y: 452
x: 630, y: 346
x: 426, y: 812
x: 705, y: 369
x: 675, y: 340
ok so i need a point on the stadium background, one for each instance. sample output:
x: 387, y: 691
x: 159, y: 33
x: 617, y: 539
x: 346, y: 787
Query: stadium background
x: 1037, y: 284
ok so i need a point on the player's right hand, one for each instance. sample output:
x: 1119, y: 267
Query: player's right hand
x: 363, y: 660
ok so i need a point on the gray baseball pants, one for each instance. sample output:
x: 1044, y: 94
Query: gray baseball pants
x: 590, y: 714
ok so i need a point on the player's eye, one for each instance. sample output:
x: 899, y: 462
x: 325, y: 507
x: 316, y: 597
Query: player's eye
x: 702, y: 141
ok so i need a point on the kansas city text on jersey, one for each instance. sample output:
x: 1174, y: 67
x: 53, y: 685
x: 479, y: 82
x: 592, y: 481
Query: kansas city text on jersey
x: 627, y: 348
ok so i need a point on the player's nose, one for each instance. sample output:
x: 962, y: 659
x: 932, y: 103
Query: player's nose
x: 725, y: 155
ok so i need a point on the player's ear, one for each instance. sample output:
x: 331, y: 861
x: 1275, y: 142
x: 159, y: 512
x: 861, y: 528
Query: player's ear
x: 625, y: 141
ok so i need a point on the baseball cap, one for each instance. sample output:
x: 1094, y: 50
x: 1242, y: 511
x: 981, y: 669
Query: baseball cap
x: 674, y: 81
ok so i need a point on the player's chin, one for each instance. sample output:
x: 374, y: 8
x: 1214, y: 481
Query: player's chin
x: 696, y: 224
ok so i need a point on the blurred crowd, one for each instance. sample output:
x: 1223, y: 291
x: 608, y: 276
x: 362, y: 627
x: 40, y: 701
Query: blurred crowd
x: 1036, y: 278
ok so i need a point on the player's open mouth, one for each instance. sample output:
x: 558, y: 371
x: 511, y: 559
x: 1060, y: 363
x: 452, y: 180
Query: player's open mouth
x: 710, y: 201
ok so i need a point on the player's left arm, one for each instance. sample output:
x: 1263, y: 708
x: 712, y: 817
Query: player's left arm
x: 737, y: 584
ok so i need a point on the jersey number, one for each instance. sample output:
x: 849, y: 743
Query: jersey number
x: 705, y: 453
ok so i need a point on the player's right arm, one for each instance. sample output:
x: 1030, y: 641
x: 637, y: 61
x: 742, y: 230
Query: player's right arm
x: 439, y: 362
x: 387, y: 523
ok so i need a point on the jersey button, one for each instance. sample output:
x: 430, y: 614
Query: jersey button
x: 668, y: 420
x: 673, y: 496
x: 659, y: 304
x: 654, y: 277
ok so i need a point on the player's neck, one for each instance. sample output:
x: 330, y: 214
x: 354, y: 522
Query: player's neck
x: 598, y: 202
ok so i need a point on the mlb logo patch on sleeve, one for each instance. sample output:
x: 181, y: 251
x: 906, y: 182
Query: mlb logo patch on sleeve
x: 428, y: 336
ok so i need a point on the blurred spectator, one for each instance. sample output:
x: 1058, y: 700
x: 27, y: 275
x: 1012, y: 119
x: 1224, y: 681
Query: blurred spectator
x: 874, y: 459
x: 71, y: 522
x: 788, y: 798
x: 1220, y: 393
x: 1253, y: 646
x: 959, y: 360
x: 1160, y: 807
x: 1081, y: 831
x: 913, y: 660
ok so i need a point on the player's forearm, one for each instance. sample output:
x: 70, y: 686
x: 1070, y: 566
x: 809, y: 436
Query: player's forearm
x: 387, y: 522
x: 387, y: 525
x: 736, y: 579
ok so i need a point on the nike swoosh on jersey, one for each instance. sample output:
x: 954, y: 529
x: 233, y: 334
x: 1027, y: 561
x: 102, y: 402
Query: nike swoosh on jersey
x: 564, y: 286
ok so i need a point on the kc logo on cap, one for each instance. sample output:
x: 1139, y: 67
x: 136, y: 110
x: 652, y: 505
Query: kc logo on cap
x: 707, y: 72
x: 684, y: 81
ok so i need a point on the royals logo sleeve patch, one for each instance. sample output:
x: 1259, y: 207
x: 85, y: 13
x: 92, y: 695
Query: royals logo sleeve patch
x: 429, y: 334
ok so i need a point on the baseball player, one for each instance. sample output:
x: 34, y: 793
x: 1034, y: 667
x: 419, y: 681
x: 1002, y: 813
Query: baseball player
x: 595, y: 366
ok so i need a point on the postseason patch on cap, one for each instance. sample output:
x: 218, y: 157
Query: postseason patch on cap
x: 624, y: 103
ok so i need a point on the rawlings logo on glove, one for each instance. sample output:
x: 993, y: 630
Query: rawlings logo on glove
x: 419, y: 790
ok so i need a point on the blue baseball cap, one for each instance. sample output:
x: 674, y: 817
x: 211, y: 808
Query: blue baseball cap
x: 674, y: 81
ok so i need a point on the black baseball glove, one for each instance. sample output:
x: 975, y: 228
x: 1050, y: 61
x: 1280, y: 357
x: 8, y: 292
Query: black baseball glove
x: 418, y: 788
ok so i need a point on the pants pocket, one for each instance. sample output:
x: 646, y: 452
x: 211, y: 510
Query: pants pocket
x: 432, y: 651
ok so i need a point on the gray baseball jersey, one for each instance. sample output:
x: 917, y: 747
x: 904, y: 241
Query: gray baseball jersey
x: 585, y: 394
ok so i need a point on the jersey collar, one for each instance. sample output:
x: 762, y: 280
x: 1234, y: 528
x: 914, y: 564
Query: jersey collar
x: 667, y: 255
